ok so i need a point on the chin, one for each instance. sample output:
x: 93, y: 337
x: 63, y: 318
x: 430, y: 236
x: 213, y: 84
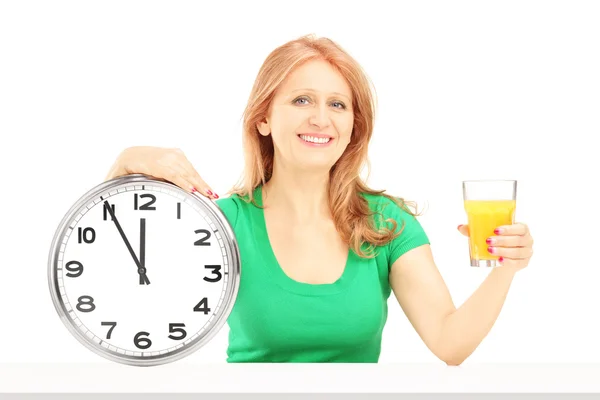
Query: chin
x: 312, y: 165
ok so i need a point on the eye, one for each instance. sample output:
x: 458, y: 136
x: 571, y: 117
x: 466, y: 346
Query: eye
x: 341, y: 106
x: 299, y: 98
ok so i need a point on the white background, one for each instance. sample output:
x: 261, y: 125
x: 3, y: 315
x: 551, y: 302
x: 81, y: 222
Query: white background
x: 466, y: 89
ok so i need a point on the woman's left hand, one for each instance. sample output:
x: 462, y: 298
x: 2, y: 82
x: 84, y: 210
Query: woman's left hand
x: 512, y: 243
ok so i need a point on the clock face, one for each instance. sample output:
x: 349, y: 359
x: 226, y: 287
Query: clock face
x: 144, y: 271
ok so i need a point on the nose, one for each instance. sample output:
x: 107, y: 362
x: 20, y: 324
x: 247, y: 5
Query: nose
x: 320, y: 117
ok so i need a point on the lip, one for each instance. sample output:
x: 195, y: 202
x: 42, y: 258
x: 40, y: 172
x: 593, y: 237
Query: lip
x: 316, y: 135
x: 317, y: 145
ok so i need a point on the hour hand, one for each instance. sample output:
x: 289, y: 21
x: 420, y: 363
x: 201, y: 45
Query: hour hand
x: 142, y: 269
x: 143, y: 278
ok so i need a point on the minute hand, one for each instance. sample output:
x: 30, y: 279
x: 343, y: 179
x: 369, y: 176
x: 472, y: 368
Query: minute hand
x: 141, y: 270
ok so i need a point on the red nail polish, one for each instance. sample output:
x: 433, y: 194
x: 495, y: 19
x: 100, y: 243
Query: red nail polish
x: 216, y: 196
x: 500, y: 259
x: 209, y: 192
x: 488, y: 241
x: 497, y: 231
x: 491, y: 250
x: 194, y: 189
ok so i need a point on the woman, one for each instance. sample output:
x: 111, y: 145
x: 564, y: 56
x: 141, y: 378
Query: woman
x: 321, y: 251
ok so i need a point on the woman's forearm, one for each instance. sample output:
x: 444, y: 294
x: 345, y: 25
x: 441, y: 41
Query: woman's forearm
x: 464, y: 329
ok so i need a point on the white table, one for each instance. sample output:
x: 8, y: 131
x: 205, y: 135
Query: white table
x: 181, y: 377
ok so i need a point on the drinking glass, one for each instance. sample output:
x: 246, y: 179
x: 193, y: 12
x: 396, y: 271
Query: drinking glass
x: 488, y: 204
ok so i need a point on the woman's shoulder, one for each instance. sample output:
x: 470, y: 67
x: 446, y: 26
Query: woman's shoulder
x: 380, y: 202
x: 228, y: 203
x: 389, y: 206
x: 236, y: 205
x: 230, y: 206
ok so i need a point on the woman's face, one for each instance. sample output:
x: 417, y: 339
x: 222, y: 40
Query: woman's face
x: 311, y: 117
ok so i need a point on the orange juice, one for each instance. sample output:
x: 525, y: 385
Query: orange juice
x: 484, y: 216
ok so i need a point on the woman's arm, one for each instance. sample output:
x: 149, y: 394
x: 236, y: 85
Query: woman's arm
x: 451, y: 334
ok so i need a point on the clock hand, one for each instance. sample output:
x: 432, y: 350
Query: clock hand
x: 141, y: 269
x: 143, y: 250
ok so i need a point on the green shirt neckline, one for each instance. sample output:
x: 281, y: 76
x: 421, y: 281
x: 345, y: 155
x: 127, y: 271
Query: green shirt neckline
x: 272, y: 266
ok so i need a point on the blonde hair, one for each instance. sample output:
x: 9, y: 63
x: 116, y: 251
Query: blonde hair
x: 351, y: 212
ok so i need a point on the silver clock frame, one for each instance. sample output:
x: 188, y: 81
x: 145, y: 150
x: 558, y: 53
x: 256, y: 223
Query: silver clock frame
x: 231, y: 248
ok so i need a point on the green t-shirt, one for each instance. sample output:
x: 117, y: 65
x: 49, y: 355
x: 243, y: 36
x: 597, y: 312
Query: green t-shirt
x: 278, y: 319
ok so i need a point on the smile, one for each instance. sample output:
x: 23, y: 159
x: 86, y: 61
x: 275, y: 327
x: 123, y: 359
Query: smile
x: 314, y: 140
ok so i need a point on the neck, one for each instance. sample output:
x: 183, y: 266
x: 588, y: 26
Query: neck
x: 302, y: 196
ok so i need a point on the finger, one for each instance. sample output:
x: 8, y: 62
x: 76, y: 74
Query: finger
x: 177, y: 175
x: 514, y: 229
x: 509, y: 263
x: 195, y: 183
x: 515, y: 253
x: 464, y: 229
x: 194, y: 177
x: 510, y: 241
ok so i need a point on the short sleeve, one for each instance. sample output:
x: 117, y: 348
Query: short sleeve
x: 413, y: 235
x: 230, y: 207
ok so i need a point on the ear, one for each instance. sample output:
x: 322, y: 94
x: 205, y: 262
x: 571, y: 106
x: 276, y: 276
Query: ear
x: 264, y: 127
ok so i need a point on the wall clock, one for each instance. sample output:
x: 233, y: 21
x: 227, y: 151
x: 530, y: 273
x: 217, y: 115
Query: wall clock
x: 143, y: 272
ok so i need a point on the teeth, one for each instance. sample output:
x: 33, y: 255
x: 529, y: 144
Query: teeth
x: 314, y: 139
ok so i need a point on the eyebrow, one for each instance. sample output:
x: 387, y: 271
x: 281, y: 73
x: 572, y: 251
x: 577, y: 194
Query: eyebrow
x: 314, y: 91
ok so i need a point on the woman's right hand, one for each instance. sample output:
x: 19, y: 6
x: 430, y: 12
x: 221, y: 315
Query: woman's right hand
x: 169, y: 164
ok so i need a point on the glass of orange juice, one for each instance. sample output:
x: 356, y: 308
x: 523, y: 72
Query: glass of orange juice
x: 488, y: 204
